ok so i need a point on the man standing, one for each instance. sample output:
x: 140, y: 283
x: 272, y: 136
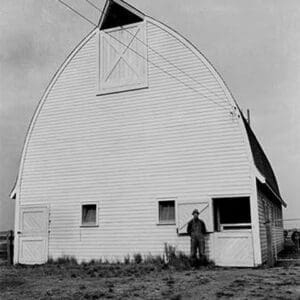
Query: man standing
x: 196, y: 230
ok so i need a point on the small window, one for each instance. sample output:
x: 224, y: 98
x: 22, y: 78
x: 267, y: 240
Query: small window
x: 166, y: 212
x: 89, y: 215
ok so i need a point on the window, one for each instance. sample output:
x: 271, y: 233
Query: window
x: 232, y: 213
x: 123, y: 59
x: 166, y: 212
x: 89, y: 216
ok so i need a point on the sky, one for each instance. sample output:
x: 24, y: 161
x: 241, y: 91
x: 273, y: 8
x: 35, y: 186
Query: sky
x: 254, y: 45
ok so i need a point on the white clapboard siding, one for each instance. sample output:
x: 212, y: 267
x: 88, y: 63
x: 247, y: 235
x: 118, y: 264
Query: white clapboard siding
x: 126, y: 150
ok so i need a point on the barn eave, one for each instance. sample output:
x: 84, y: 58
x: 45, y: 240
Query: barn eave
x: 266, y: 175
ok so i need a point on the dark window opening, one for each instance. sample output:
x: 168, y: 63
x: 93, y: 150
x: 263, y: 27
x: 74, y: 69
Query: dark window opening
x: 117, y: 16
x: 89, y: 215
x: 232, y: 213
x: 166, y: 212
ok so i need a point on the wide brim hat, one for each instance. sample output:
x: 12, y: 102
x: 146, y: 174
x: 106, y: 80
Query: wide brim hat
x: 195, y: 211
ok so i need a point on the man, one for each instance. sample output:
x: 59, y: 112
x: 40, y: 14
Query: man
x: 196, y: 230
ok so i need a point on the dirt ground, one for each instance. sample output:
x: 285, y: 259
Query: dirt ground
x: 145, y: 281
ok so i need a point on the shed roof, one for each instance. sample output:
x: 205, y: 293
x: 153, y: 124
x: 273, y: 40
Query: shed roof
x: 261, y: 161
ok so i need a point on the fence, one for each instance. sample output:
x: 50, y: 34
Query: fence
x: 6, y: 246
x: 289, y: 250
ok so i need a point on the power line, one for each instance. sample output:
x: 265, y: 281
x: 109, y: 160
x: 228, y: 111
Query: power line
x: 95, y: 6
x: 157, y: 53
x: 168, y: 73
x: 146, y: 59
x: 76, y: 12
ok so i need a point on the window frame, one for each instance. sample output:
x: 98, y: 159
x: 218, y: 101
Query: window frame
x: 166, y: 223
x: 234, y: 226
x: 144, y: 84
x: 96, y: 224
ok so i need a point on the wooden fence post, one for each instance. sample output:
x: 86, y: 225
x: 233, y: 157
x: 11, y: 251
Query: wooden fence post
x: 9, y: 242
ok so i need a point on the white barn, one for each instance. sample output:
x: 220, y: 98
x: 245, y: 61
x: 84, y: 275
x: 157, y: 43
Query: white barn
x: 135, y: 130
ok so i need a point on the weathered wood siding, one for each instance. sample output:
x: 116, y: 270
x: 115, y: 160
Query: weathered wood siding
x: 277, y: 228
x: 125, y: 150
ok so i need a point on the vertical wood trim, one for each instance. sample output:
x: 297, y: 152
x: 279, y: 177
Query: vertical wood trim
x: 255, y: 220
x: 17, y: 225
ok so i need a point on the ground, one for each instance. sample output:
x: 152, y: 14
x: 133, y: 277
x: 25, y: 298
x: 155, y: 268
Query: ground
x: 146, y: 281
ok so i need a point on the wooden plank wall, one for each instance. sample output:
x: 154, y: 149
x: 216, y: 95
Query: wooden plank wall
x: 277, y: 228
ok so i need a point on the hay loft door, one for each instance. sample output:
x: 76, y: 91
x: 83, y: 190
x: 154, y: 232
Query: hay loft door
x: 123, y: 59
x: 33, y: 235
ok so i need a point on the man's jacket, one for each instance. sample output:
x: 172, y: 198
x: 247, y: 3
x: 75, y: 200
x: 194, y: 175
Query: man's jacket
x: 196, y: 228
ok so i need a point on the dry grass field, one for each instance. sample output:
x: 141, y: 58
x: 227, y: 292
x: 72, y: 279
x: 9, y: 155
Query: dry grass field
x: 68, y: 280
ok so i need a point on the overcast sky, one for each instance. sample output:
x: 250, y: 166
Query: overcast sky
x: 254, y: 44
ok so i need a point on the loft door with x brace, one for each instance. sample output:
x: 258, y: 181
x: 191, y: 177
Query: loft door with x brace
x: 123, y: 58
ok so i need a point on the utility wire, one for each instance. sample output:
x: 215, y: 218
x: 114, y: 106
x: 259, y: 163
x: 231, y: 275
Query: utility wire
x: 146, y: 59
x: 76, y: 12
x: 157, y: 53
x: 168, y: 73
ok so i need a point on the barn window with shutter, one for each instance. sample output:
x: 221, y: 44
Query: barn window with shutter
x: 123, y: 58
x: 185, y: 215
x: 89, y: 216
x: 166, y: 211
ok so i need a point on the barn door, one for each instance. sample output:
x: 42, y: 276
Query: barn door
x: 234, y: 249
x: 123, y: 58
x: 185, y: 215
x: 33, y: 235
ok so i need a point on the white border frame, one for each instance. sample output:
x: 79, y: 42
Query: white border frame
x: 97, y: 214
x: 166, y: 199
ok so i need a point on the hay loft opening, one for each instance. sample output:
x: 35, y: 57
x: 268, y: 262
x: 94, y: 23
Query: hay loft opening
x: 118, y: 13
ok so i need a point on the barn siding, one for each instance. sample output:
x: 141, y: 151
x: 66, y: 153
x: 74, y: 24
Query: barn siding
x: 125, y: 150
x: 277, y: 230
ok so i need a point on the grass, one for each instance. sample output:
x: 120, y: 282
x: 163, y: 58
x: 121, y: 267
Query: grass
x: 171, y: 259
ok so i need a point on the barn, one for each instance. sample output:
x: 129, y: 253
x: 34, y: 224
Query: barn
x: 135, y: 130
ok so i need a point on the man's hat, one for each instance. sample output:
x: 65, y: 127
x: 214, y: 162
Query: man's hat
x: 195, y: 211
